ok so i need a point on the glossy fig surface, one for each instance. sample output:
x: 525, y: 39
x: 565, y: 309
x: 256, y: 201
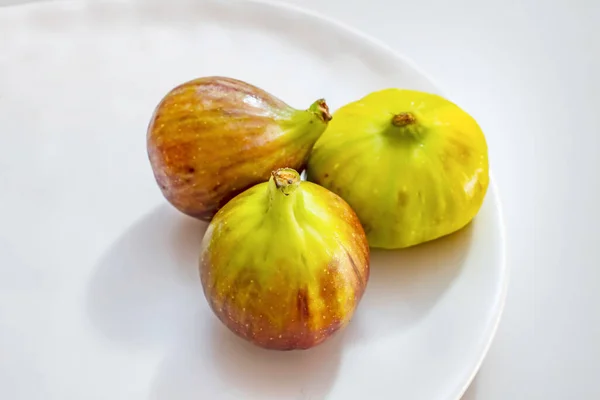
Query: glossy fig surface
x: 413, y: 165
x: 285, y: 264
x: 212, y: 138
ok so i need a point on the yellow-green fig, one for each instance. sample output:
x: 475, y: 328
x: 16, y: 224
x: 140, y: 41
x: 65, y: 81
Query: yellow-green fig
x: 211, y: 138
x: 412, y: 165
x: 285, y: 264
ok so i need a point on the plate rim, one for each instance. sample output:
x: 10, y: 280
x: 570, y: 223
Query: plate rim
x: 372, y: 41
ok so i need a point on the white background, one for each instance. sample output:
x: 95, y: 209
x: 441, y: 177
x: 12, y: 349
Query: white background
x: 528, y: 72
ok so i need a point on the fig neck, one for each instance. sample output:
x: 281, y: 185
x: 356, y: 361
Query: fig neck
x: 306, y: 126
x: 407, y: 126
x: 284, y: 194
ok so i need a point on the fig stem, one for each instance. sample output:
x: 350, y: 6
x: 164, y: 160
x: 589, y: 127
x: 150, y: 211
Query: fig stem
x: 406, y: 125
x: 321, y: 109
x: 286, y: 180
x: 284, y: 196
x: 403, y: 119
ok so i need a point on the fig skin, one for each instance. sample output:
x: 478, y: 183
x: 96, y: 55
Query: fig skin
x: 211, y: 138
x: 285, y: 264
x: 412, y: 165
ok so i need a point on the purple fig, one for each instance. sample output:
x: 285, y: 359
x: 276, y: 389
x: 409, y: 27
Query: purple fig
x: 212, y: 138
x: 285, y: 264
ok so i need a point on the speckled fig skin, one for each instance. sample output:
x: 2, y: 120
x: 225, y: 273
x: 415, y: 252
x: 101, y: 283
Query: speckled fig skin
x: 412, y: 165
x: 285, y: 264
x: 212, y: 138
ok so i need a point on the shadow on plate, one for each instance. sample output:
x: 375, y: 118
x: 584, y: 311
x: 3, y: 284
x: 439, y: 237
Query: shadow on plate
x: 146, y: 291
x: 146, y: 288
x: 215, y: 363
x: 406, y: 284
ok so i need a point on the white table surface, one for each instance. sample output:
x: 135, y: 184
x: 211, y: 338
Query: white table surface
x: 528, y: 71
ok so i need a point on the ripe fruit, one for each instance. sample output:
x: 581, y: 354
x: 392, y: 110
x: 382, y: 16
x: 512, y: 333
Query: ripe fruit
x: 285, y: 263
x: 413, y: 165
x: 212, y: 138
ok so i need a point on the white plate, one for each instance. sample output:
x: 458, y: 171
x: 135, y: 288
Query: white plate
x: 99, y: 293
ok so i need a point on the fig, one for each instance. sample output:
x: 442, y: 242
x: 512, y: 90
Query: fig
x: 412, y: 165
x: 211, y: 138
x: 285, y: 263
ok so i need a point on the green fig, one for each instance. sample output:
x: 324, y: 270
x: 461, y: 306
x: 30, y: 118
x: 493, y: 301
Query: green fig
x: 413, y: 165
x: 285, y: 263
x: 212, y: 138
